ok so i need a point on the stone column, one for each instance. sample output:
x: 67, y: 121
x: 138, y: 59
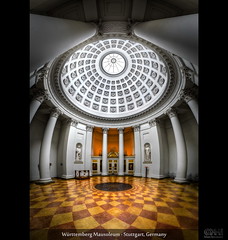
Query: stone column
x: 137, y: 161
x: 121, y: 152
x: 180, y: 146
x: 88, y: 160
x: 188, y: 96
x: 46, y: 148
x: 36, y: 102
x: 104, y: 152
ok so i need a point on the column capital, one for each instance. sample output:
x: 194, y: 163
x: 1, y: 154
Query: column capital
x: 72, y: 122
x: 187, y: 72
x: 105, y: 130
x: 187, y: 94
x: 41, y: 95
x: 55, y: 112
x: 89, y: 128
x: 121, y: 130
x: 154, y: 122
x: 171, y: 112
x: 42, y: 74
x: 136, y: 128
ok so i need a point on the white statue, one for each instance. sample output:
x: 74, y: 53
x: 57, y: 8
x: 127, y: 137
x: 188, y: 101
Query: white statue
x: 147, y: 152
x: 78, y: 152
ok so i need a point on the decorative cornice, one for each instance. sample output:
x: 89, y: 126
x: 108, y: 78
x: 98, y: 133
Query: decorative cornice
x: 154, y: 122
x: 42, y: 74
x: 89, y: 128
x: 72, y: 122
x: 41, y: 95
x: 171, y: 112
x: 105, y: 130
x: 55, y: 112
x: 121, y: 130
x: 188, y: 73
x: 187, y: 94
x: 136, y: 128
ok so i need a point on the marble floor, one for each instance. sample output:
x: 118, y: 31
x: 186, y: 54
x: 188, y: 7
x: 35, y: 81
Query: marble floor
x: 151, y: 209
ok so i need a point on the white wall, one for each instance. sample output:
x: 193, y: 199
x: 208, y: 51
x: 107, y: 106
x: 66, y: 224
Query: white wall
x: 178, y: 35
x: 50, y: 37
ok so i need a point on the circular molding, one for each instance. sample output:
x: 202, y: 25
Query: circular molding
x: 113, y: 64
x: 59, y: 85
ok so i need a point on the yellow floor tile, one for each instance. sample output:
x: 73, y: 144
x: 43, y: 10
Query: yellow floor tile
x: 61, y: 219
x: 67, y: 204
x: 148, y: 199
x: 39, y: 198
x: 61, y: 199
x: 167, y: 219
x: 115, y: 224
x: 161, y: 204
x: 86, y: 223
x: 40, y: 205
x: 95, y: 210
x: 79, y: 207
x: 89, y: 201
x: 151, y: 208
x: 127, y: 203
x: 101, y: 203
x: 144, y: 223
x: 46, y: 212
x: 114, y: 203
x: 115, y: 211
x: 134, y: 210
x: 139, y: 201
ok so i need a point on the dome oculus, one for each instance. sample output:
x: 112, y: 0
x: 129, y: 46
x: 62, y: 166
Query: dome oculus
x: 113, y: 63
x: 114, y: 78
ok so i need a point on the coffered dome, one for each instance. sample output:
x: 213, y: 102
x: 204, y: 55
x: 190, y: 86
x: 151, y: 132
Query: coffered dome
x: 114, y: 78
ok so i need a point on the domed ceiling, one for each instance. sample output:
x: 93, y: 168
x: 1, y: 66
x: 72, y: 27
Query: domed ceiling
x: 114, y: 78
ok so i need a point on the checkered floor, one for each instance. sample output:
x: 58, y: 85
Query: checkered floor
x: 76, y: 206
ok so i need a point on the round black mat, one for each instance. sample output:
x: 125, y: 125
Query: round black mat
x: 113, y: 186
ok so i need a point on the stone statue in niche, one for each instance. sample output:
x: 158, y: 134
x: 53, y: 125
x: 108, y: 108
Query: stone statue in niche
x: 147, y: 152
x: 78, y: 152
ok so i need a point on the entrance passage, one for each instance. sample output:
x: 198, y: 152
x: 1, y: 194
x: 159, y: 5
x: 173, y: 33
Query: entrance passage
x: 112, y: 167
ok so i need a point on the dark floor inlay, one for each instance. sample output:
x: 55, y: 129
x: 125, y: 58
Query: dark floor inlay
x: 113, y: 186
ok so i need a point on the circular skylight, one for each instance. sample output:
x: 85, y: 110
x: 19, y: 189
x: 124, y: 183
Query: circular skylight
x: 113, y: 63
x: 114, y: 78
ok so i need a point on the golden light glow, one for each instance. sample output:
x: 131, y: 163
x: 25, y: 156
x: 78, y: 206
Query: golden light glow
x: 113, y: 141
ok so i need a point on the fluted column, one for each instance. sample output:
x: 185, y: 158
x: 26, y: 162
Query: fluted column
x: 121, y: 152
x: 46, y: 148
x: 88, y: 161
x: 137, y: 161
x: 180, y: 146
x: 189, y: 98
x: 36, y: 102
x: 105, y: 152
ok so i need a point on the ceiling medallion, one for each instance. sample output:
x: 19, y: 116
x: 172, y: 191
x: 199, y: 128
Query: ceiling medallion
x: 113, y: 63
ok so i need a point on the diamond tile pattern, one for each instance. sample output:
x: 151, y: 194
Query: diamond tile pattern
x: 151, y: 205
